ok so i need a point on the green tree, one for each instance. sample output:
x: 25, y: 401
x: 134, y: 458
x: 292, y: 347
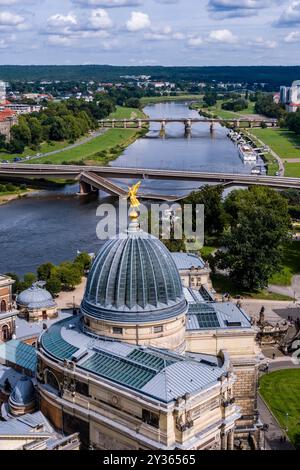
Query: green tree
x: 70, y: 274
x: 36, y: 130
x: 45, y: 270
x: 258, y: 226
x: 84, y: 259
x: 211, y: 198
x: 210, y: 98
x: 21, y: 132
x: 54, y: 285
x: 28, y: 280
x: 2, y: 141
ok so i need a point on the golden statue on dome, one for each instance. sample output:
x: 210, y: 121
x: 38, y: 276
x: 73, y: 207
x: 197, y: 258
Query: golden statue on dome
x: 134, y: 202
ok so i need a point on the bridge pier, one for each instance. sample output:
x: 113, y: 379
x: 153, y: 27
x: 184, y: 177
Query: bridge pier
x: 113, y: 123
x: 125, y: 124
x: 84, y: 188
x: 188, y: 127
x: 212, y: 127
x: 250, y: 124
x: 139, y: 124
x: 163, y: 128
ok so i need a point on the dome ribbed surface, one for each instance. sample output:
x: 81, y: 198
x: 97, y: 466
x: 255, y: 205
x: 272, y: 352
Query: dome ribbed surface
x: 23, y: 393
x: 134, y: 277
x: 35, y: 297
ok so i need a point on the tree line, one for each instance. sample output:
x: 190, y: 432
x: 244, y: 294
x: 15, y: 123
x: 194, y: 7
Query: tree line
x: 66, y: 120
x: 64, y: 277
x: 251, y: 226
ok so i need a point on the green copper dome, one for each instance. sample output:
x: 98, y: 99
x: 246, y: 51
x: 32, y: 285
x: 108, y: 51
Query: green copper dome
x: 133, y: 279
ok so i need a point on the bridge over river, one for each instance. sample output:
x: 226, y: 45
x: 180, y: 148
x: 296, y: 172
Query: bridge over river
x: 98, y: 178
x: 188, y: 122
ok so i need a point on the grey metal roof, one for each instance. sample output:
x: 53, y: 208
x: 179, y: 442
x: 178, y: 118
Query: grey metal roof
x: 161, y: 374
x: 35, y: 297
x: 34, y: 424
x: 216, y: 315
x: 25, y: 329
x: 187, y: 261
x: 23, y: 392
x: 134, y: 278
x: 21, y: 354
x: 8, y: 373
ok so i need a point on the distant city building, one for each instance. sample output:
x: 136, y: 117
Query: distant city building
x: 290, y: 96
x: 2, y: 92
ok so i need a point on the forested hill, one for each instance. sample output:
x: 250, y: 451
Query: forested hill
x: 273, y: 75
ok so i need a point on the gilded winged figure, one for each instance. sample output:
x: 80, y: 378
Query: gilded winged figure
x: 134, y: 202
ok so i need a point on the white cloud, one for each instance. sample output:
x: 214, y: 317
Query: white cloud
x: 294, y: 36
x: 108, y: 3
x: 263, y: 43
x: 138, y: 21
x: 237, y: 8
x: 57, y: 40
x: 100, y: 19
x: 222, y: 35
x: 164, y: 33
x: 291, y: 15
x: 195, y: 42
x: 10, y: 19
x: 59, y: 20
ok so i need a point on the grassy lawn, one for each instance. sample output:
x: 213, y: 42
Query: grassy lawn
x: 291, y: 265
x: 284, y: 142
x: 292, y: 169
x: 126, y: 113
x: 161, y: 99
x: 45, y: 147
x: 249, y: 110
x: 223, y: 284
x: 281, y: 392
x: 99, y: 150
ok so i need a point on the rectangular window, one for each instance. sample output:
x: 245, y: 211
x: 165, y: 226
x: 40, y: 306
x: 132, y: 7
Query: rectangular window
x: 150, y: 418
x: 117, y: 331
x: 82, y: 388
x: 158, y: 329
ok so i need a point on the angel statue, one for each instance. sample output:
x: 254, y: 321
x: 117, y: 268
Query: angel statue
x: 134, y: 202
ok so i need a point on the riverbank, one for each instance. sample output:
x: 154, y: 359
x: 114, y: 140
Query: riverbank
x: 164, y: 99
x: 11, y: 196
x: 99, y: 146
x: 103, y: 148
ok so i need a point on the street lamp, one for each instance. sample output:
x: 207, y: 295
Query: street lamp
x: 287, y: 422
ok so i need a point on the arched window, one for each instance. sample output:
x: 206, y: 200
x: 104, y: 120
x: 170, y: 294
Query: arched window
x: 3, y: 306
x: 51, y: 380
x: 5, y: 333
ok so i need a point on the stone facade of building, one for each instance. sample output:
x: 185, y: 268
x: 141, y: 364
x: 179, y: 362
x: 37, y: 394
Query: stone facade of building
x: 7, y: 312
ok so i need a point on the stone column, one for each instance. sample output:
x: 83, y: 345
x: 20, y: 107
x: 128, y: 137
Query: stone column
x: 223, y: 441
x: 125, y: 124
x: 139, y: 124
x: 230, y: 440
x: 113, y: 123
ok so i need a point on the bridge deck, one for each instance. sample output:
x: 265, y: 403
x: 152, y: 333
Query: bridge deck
x: 74, y: 172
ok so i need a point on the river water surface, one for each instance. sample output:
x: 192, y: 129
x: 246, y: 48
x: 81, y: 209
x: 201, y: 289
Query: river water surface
x: 53, y: 225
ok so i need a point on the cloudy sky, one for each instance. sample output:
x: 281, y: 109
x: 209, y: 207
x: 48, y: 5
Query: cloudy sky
x: 140, y: 32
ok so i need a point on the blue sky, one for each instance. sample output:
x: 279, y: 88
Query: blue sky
x: 150, y: 32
